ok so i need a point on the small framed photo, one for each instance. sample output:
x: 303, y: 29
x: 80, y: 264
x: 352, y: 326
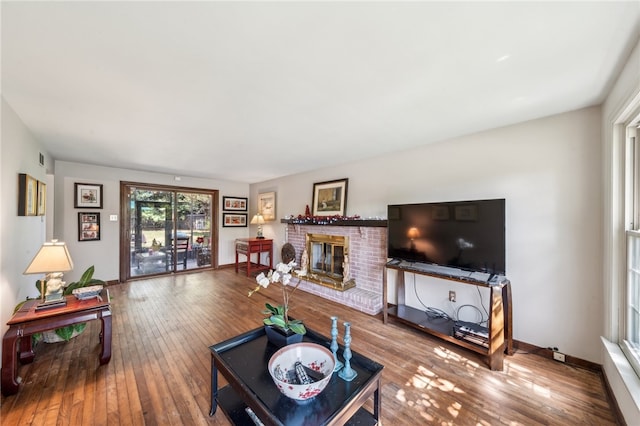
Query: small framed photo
x: 88, y: 196
x: 267, y: 205
x: 234, y: 220
x: 238, y: 204
x: 330, y: 198
x: 88, y: 226
x: 42, y: 198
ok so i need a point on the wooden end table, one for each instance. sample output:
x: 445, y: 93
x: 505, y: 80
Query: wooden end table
x: 243, y: 361
x: 27, y: 321
x: 247, y: 246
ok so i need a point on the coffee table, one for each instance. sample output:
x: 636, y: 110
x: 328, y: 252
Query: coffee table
x: 243, y: 360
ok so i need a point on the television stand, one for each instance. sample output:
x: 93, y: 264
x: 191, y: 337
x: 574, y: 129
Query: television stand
x: 500, y: 339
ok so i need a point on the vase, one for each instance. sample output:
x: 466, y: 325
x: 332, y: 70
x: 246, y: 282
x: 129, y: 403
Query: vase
x: 280, y: 337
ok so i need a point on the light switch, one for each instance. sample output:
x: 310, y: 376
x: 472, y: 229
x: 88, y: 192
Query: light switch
x: 113, y: 218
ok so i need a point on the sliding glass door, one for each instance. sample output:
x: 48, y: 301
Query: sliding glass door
x: 166, y: 229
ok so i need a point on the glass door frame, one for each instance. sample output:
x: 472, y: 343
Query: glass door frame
x: 125, y: 224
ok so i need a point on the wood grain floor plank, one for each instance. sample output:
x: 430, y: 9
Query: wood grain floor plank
x: 160, y: 368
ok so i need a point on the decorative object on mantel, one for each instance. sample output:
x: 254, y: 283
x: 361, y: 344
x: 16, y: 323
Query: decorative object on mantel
x: 347, y: 373
x: 334, y: 344
x: 278, y: 316
x: 330, y: 198
x: 302, y: 370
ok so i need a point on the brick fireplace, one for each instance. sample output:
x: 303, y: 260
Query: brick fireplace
x: 367, y: 251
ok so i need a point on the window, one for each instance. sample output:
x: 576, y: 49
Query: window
x: 630, y: 343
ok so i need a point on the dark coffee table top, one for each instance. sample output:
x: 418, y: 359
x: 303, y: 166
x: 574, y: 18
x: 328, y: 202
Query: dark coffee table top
x: 243, y: 361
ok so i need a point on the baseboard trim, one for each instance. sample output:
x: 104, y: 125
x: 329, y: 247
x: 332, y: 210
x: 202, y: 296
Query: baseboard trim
x: 548, y: 353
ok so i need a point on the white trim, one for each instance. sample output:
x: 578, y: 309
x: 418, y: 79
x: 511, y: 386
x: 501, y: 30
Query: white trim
x: 623, y: 380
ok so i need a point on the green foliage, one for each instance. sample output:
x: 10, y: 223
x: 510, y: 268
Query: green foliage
x: 86, y: 280
x: 277, y: 318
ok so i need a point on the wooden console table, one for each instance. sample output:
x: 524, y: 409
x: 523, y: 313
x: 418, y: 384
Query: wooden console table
x: 248, y: 246
x: 500, y: 330
x: 26, y: 321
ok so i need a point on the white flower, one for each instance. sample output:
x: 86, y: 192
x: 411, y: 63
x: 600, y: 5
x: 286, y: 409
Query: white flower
x: 285, y: 268
x: 286, y: 278
x: 275, y: 277
x: 263, y: 280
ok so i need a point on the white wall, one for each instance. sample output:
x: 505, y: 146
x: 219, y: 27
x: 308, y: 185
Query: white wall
x: 549, y: 172
x: 22, y: 236
x: 104, y: 254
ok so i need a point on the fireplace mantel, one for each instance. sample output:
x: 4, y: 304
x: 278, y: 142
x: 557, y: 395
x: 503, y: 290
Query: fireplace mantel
x: 382, y: 223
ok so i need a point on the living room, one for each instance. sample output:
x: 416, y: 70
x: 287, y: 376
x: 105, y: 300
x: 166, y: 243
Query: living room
x: 555, y: 173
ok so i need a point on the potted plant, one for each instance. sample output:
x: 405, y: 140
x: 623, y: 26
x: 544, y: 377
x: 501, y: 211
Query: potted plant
x: 70, y: 331
x: 280, y: 329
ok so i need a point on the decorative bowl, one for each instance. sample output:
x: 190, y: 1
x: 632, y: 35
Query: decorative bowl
x: 317, y: 362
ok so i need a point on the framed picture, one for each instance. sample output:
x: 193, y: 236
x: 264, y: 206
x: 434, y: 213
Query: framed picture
x: 467, y: 213
x: 440, y: 213
x: 234, y: 204
x: 267, y: 205
x: 88, y: 196
x: 88, y: 226
x: 330, y: 198
x: 234, y: 220
x: 27, y: 195
x: 42, y: 199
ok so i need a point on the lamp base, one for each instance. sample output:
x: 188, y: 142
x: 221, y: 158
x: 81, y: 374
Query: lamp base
x: 260, y: 237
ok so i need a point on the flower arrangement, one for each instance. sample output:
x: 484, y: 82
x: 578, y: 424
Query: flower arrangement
x: 278, y: 315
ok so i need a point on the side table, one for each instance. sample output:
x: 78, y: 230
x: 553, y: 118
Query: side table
x: 26, y: 321
x: 248, y: 246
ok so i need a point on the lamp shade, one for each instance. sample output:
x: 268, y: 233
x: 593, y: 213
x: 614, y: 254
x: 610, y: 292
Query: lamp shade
x: 257, y: 219
x: 413, y: 233
x: 52, y: 257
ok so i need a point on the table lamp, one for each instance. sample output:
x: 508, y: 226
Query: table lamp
x: 52, y: 260
x: 413, y: 234
x: 259, y: 220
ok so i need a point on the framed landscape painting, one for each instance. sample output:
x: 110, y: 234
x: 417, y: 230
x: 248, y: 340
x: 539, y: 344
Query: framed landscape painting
x: 330, y: 198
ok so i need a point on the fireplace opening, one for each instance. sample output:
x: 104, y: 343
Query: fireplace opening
x: 328, y: 261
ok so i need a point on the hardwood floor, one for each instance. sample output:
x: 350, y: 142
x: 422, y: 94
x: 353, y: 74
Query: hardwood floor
x: 159, y: 372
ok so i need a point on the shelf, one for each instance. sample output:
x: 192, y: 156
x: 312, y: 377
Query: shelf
x: 235, y: 410
x: 439, y: 327
x: 499, y: 322
x: 381, y: 223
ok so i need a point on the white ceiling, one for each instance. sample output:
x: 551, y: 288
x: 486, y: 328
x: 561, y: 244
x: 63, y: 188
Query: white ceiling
x: 249, y: 91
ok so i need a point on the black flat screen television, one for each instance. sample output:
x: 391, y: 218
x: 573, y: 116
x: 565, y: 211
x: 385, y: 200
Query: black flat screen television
x: 469, y: 235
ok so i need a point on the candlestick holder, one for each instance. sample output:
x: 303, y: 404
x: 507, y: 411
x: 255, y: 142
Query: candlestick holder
x: 347, y: 373
x: 334, y: 344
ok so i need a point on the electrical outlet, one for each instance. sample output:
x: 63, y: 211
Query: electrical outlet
x: 558, y: 356
x: 452, y: 296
